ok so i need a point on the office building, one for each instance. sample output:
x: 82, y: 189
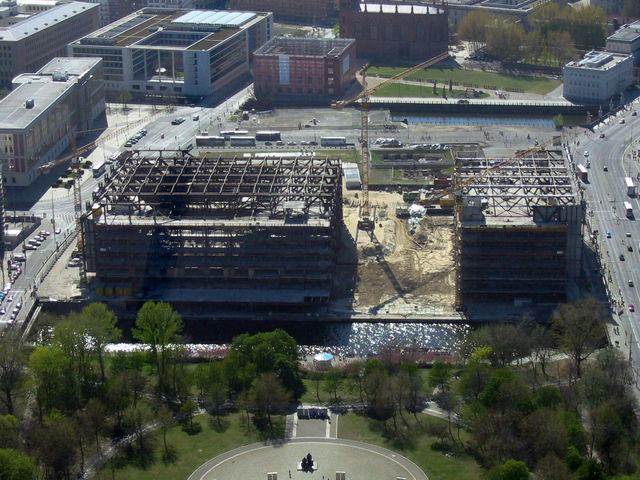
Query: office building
x: 28, y: 45
x: 303, y: 70
x: 44, y: 111
x: 597, y: 77
x: 626, y: 40
x: 395, y: 30
x: 167, y: 54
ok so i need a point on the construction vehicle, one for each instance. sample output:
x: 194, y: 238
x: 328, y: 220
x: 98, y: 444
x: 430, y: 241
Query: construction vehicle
x: 366, y: 222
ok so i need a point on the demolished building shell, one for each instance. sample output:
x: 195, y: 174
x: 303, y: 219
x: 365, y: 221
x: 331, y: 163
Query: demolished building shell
x: 519, y: 229
x: 219, y: 230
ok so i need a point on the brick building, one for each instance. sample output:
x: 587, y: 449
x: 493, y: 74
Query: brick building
x: 313, y: 11
x: 303, y: 70
x: 395, y: 30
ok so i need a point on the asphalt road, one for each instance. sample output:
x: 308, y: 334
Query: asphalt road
x: 606, y: 193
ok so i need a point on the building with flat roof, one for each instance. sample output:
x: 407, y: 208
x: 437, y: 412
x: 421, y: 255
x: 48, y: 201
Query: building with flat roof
x: 518, y: 235
x: 316, y: 12
x: 395, y: 30
x: 28, y: 45
x: 626, y: 40
x: 517, y: 10
x: 597, y: 77
x: 44, y: 111
x: 303, y: 70
x: 213, y: 231
x: 174, y: 53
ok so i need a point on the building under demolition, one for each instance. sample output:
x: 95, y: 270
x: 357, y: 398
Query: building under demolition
x: 214, y: 230
x: 519, y: 231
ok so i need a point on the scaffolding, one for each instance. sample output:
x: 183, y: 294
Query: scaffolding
x: 519, y: 229
x: 223, y: 230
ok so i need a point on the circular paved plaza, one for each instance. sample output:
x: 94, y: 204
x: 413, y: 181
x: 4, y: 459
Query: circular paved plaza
x: 360, y: 461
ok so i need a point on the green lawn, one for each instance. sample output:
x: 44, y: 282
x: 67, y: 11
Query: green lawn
x: 416, y: 447
x: 192, y: 450
x: 475, y: 79
x: 420, y: 91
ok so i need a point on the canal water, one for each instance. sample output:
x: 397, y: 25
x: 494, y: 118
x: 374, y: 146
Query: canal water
x: 348, y: 339
x: 484, y: 120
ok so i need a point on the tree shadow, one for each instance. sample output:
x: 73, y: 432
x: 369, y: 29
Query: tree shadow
x: 170, y: 455
x: 192, y: 428
x: 219, y: 424
x: 142, y: 458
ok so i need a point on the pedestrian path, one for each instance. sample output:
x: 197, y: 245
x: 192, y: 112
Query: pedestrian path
x: 312, y: 421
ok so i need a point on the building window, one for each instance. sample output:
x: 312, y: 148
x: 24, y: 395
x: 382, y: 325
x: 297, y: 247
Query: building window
x: 135, y: 87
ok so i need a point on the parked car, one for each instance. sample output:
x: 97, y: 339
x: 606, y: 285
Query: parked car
x: 630, y: 283
x: 632, y: 307
x: 608, y: 234
x: 74, y: 262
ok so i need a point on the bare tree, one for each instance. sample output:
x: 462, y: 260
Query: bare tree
x: 12, y: 364
x: 579, y: 329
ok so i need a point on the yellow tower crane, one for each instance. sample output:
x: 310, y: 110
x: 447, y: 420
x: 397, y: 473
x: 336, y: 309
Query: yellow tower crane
x: 365, y: 222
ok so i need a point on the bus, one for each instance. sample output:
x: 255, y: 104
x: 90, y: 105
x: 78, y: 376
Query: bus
x: 98, y: 168
x: 243, y: 141
x: 333, y: 141
x: 583, y: 173
x: 631, y: 186
x: 628, y: 209
x: 267, y: 135
x: 209, y: 141
x: 227, y: 134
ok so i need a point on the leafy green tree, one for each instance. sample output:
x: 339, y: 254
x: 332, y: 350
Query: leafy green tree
x: 49, y: 367
x: 274, y: 351
x: 158, y: 326
x: 591, y: 469
x: 333, y: 380
x: 69, y: 336
x: 9, y: 431
x: 16, y: 465
x: 101, y: 328
x: 514, y: 470
x: 440, y: 375
x: 473, y: 379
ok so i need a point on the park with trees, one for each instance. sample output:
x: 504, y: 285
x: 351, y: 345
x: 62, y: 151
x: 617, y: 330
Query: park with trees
x: 521, y: 399
x: 555, y: 32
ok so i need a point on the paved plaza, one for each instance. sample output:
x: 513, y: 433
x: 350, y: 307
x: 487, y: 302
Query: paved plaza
x: 360, y: 461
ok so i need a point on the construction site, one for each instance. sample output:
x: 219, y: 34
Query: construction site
x: 212, y: 230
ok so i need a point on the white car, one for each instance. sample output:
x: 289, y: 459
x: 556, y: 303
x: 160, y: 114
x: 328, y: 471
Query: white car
x: 586, y: 153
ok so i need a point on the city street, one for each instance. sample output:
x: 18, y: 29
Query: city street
x: 611, y: 161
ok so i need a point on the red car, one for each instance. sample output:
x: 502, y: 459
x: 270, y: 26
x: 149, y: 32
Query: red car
x: 632, y: 308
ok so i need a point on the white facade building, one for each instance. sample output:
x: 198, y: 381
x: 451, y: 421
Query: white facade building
x: 176, y: 53
x: 597, y: 77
